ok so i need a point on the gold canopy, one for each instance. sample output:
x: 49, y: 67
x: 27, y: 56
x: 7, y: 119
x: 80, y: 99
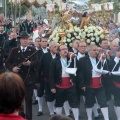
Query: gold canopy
x: 36, y: 3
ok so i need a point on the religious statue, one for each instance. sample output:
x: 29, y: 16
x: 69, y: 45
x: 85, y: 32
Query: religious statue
x: 86, y: 18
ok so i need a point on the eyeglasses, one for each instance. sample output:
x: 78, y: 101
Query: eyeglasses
x: 64, y: 49
x: 82, y: 46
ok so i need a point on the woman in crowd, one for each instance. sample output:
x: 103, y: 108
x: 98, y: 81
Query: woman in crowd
x: 12, y: 92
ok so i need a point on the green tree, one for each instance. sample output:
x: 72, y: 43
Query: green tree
x: 11, y: 9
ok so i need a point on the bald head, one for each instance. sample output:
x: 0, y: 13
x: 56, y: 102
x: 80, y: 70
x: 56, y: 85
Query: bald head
x: 53, y: 47
x: 114, y: 45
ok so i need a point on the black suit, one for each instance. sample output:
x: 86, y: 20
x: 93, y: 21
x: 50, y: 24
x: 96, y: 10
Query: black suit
x: 55, y: 77
x: 115, y: 80
x: 85, y: 76
x: 40, y: 79
x: 3, y: 37
x: 28, y: 73
x: 44, y: 67
x: 9, y: 44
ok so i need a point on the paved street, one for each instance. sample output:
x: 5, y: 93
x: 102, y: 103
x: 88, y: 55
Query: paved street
x: 45, y: 116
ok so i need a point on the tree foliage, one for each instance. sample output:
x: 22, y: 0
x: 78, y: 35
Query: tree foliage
x: 11, y: 9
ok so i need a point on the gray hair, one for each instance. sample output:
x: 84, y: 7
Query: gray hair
x: 51, y: 43
x: 90, y: 47
x: 114, y: 42
x: 82, y: 42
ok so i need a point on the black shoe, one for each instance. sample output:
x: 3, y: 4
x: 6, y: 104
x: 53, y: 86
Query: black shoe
x: 54, y: 112
x: 40, y: 113
x: 35, y: 102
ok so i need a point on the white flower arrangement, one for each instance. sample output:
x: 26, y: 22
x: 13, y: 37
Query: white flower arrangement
x: 92, y: 34
x: 71, y: 34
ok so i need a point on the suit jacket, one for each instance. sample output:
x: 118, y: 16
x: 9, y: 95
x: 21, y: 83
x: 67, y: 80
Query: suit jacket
x: 40, y: 53
x: 9, y: 44
x: 112, y: 63
x: 85, y: 71
x: 28, y: 73
x: 3, y: 37
x: 44, y: 65
x: 55, y: 73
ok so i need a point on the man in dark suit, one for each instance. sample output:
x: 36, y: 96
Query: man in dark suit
x: 115, y: 67
x: 82, y: 53
x: 90, y: 82
x: 74, y: 47
x: 44, y: 66
x: 40, y: 91
x: 11, y: 42
x: 30, y: 26
x: 3, y: 35
x: 63, y: 83
x: 26, y: 70
x: 37, y: 47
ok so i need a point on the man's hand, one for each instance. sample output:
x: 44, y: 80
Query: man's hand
x: 83, y: 88
x: 16, y: 69
x: 27, y: 63
x: 53, y: 90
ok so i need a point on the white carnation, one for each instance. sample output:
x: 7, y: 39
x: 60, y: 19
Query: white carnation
x: 76, y: 29
x: 92, y: 43
x: 78, y: 37
x: 86, y: 30
x: 97, y: 39
x: 75, y: 34
x: 88, y: 35
x: 91, y: 34
x: 102, y: 36
x: 68, y: 40
x: 92, y: 38
x: 69, y: 35
x: 72, y: 38
x: 88, y: 41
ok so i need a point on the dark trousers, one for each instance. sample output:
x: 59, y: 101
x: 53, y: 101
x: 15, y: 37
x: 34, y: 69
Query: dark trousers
x: 48, y: 94
x: 90, y: 95
x: 41, y: 89
x: 69, y: 94
x: 107, y: 83
x: 116, y: 94
x: 28, y: 101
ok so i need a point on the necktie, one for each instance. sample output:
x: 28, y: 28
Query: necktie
x: 23, y: 50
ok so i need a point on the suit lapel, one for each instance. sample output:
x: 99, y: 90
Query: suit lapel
x: 89, y: 64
